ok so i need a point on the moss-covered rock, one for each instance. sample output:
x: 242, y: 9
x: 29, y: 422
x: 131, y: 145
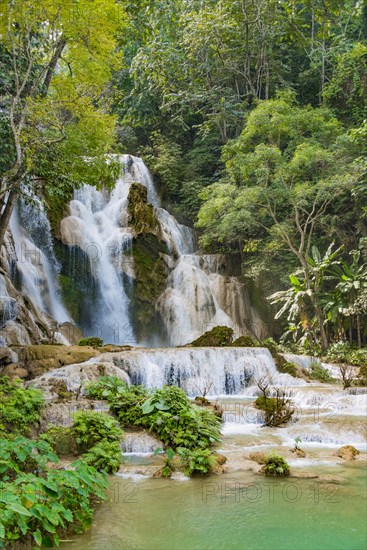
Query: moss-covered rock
x: 219, y: 336
x: 92, y: 341
x: 62, y: 440
x: 141, y: 214
x: 39, y: 359
x: 246, y: 342
x: 150, y: 278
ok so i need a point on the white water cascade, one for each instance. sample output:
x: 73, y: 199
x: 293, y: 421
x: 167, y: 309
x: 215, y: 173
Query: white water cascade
x: 214, y: 371
x: 197, y: 296
x: 35, y: 260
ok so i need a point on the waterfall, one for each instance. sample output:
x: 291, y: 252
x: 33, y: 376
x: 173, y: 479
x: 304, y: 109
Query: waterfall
x: 196, y: 298
x: 35, y: 260
x: 214, y: 371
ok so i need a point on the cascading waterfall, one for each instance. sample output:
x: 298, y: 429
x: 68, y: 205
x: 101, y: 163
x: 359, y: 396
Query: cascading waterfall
x: 35, y: 260
x: 98, y: 224
x: 214, y: 371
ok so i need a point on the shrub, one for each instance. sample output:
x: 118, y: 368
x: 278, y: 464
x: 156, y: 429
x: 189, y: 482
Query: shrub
x: 91, y: 427
x: 288, y: 368
x: 21, y: 454
x: 362, y: 375
x: 197, y: 461
x: 20, y: 408
x: 105, y: 456
x: 92, y: 341
x: 318, y: 372
x: 276, y: 466
x: 276, y: 405
x: 37, y: 508
x: 105, y: 387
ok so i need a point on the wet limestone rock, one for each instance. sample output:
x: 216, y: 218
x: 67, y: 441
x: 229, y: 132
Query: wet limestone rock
x: 14, y: 371
x: 258, y: 457
x: 298, y: 452
x: 348, y: 452
x: 141, y: 214
x: 43, y: 358
x: 61, y: 413
x: 73, y: 378
x: 140, y: 441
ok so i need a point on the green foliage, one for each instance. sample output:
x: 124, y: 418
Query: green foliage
x: 167, y: 413
x: 20, y: 408
x: 20, y: 454
x: 318, y: 372
x: 105, y: 456
x: 197, y: 461
x: 37, y: 508
x: 92, y: 341
x: 105, y: 387
x: 276, y: 466
x: 347, y: 90
x: 61, y: 439
x: 219, y: 336
x: 342, y: 352
x: 92, y: 427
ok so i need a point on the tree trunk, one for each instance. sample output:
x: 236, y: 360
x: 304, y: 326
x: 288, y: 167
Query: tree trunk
x: 359, y: 330
x: 7, y: 212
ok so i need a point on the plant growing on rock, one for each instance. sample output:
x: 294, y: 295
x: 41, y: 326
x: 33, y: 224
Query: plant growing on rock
x: 92, y: 341
x: 197, y: 461
x: 92, y: 427
x: 318, y: 372
x: 20, y: 408
x: 276, y: 404
x: 347, y: 374
x: 276, y: 466
x: 219, y: 336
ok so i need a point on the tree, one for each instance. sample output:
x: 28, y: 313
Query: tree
x: 58, y: 60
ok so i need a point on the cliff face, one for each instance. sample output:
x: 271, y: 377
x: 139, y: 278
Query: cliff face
x: 21, y: 323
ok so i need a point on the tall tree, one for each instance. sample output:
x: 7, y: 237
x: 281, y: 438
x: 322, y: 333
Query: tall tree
x: 57, y: 58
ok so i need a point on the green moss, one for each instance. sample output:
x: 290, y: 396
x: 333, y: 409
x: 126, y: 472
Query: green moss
x: 246, y: 342
x: 141, y: 214
x: 71, y: 296
x: 151, y: 276
x: 92, y: 341
x: 219, y: 336
x: 276, y: 466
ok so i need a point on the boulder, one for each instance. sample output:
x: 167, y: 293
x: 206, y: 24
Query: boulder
x: 258, y: 457
x: 14, y: 371
x: 71, y: 332
x: 61, y: 413
x: 348, y: 452
x: 6, y: 356
x: 43, y: 358
x: 298, y: 452
x: 72, y: 379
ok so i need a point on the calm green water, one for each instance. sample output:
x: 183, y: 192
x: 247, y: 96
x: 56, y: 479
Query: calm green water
x: 240, y: 510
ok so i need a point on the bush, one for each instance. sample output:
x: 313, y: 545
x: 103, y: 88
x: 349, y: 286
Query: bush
x: 91, y: 427
x: 105, y: 387
x: 92, y: 341
x: 362, y: 375
x: 276, y: 405
x: 318, y: 372
x: 197, y: 461
x: 288, y: 368
x: 38, y: 503
x: 276, y: 466
x: 20, y: 408
x: 105, y: 456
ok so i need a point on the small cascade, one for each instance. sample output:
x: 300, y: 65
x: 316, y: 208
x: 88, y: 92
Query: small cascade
x: 213, y: 371
x: 35, y: 262
x: 140, y: 443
